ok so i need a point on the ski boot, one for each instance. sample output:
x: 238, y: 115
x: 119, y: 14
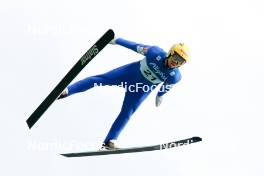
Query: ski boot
x: 110, y: 145
x: 63, y: 94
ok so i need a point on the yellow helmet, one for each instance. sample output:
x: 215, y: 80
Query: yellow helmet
x: 179, y: 49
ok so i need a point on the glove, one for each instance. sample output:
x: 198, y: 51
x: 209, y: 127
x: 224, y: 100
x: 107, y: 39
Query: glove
x: 113, y: 42
x: 158, y: 100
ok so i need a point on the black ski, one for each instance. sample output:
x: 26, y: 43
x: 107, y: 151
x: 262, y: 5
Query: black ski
x: 84, y: 60
x: 136, y: 149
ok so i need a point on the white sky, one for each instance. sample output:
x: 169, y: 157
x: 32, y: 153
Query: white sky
x: 219, y: 98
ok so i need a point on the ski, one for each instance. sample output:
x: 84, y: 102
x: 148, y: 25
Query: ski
x: 136, y: 149
x: 75, y: 70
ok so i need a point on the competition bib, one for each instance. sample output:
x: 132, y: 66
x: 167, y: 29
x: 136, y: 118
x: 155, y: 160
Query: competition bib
x: 147, y: 73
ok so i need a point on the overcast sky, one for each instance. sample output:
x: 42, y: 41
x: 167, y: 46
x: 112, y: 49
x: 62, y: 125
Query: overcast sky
x: 219, y: 97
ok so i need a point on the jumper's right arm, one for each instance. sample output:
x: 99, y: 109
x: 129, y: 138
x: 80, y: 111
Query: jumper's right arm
x: 137, y: 47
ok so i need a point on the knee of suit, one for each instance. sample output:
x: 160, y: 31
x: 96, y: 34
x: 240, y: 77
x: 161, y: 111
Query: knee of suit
x: 127, y: 112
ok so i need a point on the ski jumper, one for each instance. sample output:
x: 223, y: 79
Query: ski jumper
x: 139, y: 75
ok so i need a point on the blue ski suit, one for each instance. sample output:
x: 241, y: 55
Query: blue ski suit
x: 138, y: 78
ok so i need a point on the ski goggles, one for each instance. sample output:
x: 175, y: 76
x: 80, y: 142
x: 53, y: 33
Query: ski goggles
x: 177, y: 59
